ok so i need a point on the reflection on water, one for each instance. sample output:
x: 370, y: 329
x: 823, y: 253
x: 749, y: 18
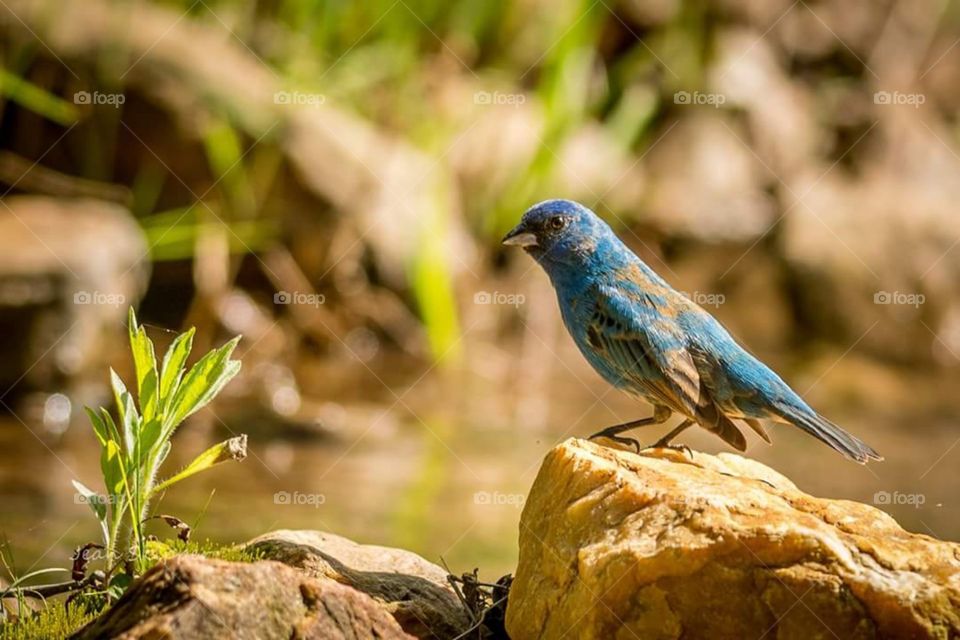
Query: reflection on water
x: 440, y: 466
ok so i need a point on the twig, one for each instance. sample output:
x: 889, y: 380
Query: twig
x: 30, y: 176
x: 476, y: 625
x: 492, y: 585
x: 452, y: 579
x: 49, y: 590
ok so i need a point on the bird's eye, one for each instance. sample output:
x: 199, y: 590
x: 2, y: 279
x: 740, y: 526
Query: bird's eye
x: 557, y: 222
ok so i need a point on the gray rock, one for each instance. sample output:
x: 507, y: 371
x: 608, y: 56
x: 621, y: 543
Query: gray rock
x: 194, y: 597
x: 410, y: 588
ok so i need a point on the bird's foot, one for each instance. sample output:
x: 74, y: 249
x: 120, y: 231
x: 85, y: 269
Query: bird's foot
x: 621, y: 440
x: 666, y: 444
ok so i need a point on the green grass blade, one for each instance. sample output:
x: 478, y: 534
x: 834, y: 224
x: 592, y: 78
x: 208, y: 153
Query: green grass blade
x: 40, y: 101
x: 33, y: 574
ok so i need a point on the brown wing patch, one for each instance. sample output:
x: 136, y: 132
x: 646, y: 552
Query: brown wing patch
x: 593, y: 337
x: 673, y: 377
x: 711, y: 418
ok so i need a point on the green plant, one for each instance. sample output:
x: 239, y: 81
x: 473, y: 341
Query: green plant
x: 134, y: 447
x: 18, y: 587
x: 18, y: 596
x: 49, y: 623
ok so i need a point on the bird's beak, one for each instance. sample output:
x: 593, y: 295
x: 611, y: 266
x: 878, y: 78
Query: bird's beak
x: 520, y: 237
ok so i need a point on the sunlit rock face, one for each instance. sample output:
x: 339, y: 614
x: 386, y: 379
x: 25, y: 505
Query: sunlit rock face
x: 659, y: 545
x: 69, y: 269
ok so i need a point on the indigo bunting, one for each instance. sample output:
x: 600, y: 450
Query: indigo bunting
x: 649, y: 340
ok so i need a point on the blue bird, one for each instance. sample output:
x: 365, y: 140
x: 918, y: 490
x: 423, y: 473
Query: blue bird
x: 649, y: 340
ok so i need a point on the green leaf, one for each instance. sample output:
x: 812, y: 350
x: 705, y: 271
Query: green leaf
x: 173, y: 366
x: 114, y: 433
x: 119, y: 390
x: 229, y: 371
x: 131, y: 427
x: 145, y: 363
x: 111, y: 460
x: 97, y: 503
x: 204, y: 380
x: 164, y: 452
x: 99, y: 428
x: 149, y: 395
x: 232, y: 449
x: 149, y: 436
x: 111, y: 465
x: 118, y: 585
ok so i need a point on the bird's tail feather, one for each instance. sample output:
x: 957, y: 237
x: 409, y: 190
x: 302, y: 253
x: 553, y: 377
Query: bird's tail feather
x: 829, y: 433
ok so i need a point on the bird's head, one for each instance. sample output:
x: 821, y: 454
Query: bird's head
x: 560, y: 232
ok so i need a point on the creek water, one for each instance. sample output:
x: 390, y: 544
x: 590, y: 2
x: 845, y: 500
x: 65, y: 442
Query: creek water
x: 440, y: 463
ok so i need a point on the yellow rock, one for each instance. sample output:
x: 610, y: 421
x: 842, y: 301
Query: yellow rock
x: 618, y: 545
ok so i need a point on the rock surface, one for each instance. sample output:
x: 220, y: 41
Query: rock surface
x: 414, y: 591
x: 192, y: 597
x: 69, y: 269
x: 618, y: 545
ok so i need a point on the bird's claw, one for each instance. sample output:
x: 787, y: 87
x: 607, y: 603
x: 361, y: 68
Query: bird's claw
x: 660, y: 444
x: 621, y: 440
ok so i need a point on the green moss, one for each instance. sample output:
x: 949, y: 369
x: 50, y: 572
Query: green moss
x: 53, y: 622
x: 162, y: 550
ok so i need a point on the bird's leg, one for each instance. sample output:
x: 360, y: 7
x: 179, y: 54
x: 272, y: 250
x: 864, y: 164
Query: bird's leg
x: 664, y: 442
x: 660, y: 415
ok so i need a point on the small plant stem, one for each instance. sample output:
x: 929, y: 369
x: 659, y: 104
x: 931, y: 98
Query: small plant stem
x: 55, y: 589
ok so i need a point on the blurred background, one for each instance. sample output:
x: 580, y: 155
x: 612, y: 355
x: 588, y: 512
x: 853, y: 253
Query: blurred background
x: 331, y: 179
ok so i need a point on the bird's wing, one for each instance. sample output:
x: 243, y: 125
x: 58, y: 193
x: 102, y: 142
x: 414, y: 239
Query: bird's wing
x: 646, y: 348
